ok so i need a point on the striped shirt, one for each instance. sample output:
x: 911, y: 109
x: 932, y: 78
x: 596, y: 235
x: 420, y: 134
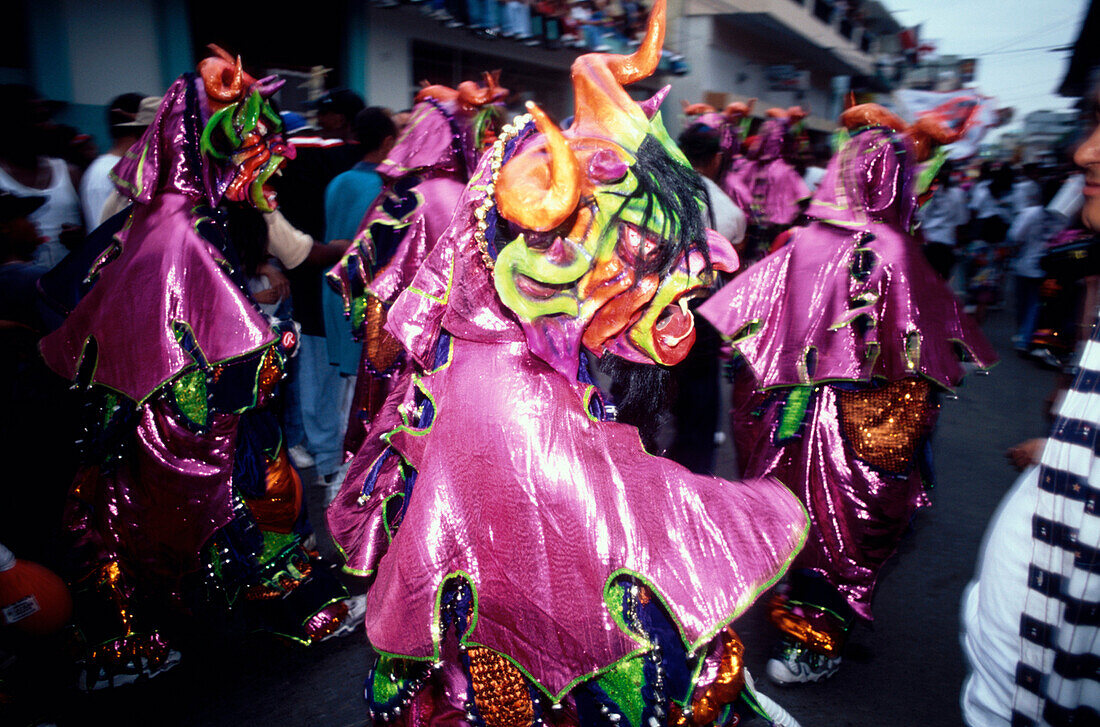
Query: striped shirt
x: 1057, y: 678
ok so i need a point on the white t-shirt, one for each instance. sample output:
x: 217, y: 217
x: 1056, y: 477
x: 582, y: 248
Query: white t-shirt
x: 729, y: 220
x: 992, y: 605
x: 813, y: 177
x: 943, y: 214
x: 61, y: 207
x: 95, y: 187
x: 1031, y: 230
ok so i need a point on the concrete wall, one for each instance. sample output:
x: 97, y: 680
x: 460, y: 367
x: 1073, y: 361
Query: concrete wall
x: 723, y: 61
x: 87, y: 53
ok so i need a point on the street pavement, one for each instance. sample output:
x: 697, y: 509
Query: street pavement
x: 904, y: 669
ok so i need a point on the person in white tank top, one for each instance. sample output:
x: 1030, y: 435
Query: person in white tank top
x: 24, y: 173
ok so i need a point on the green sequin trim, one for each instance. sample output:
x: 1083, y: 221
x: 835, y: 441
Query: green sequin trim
x: 793, y: 412
x: 110, y: 406
x: 275, y: 544
x: 623, y: 684
x: 387, y: 680
x: 190, y: 393
x: 358, y: 312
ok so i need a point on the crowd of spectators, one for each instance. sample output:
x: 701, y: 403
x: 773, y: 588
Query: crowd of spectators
x: 606, y: 26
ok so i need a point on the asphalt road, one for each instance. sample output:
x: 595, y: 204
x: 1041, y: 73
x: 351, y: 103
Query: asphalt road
x: 905, y: 669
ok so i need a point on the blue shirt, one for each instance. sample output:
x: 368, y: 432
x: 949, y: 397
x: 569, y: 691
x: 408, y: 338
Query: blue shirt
x: 348, y: 198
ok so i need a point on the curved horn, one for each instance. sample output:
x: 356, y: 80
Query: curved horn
x: 438, y: 92
x: 238, y: 76
x: 219, y: 52
x: 927, y: 133
x: 534, y: 206
x: 871, y: 114
x: 642, y: 62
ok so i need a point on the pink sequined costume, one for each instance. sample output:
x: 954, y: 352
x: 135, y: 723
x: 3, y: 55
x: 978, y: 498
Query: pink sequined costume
x: 764, y: 184
x: 532, y: 563
x: 185, y: 484
x: 424, y: 175
x: 844, y: 337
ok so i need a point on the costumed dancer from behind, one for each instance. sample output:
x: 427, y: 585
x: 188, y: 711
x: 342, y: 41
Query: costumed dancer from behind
x: 844, y: 339
x: 531, y: 563
x: 732, y: 123
x: 424, y: 175
x: 186, y: 499
x: 765, y: 184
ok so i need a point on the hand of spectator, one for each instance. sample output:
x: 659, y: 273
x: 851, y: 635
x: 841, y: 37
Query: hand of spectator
x: 1026, y: 453
x: 280, y: 286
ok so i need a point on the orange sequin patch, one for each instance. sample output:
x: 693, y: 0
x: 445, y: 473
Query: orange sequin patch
x: 380, y: 348
x: 884, y: 425
x: 707, y: 704
x: 281, y: 503
x: 271, y: 373
x: 500, y: 690
x: 815, y: 637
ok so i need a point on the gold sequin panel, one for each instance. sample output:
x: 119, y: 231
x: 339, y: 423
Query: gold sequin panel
x: 380, y: 348
x: 885, y: 424
x: 707, y: 704
x: 817, y: 637
x: 500, y: 690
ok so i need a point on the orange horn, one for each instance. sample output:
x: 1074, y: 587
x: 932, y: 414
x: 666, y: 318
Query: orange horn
x: 871, y: 114
x: 438, y: 92
x: 643, y: 62
x: 928, y: 133
x: 219, y: 52
x: 525, y: 195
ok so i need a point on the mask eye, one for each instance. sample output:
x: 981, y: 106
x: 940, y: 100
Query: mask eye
x: 606, y: 167
x: 634, y: 247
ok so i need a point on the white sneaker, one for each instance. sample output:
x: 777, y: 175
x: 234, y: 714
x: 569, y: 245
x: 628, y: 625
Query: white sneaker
x: 301, y: 457
x: 357, y: 609
x: 93, y: 676
x: 796, y: 664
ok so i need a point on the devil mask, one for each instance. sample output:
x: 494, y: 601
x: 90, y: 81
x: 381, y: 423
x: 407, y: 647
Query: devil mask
x: 597, y: 236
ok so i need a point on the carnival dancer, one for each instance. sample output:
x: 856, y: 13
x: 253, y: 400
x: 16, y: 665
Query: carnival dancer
x: 844, y: 338
x: 532, y: 563
x: 423, y: 176
x: 732, y: 123
x: 186, y: 496
x: 766, y: 185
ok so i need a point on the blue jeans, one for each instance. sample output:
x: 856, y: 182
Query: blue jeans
x: 324, y: 417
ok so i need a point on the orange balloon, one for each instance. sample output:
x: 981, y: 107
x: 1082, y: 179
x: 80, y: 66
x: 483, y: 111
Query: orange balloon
x: 33, y: 598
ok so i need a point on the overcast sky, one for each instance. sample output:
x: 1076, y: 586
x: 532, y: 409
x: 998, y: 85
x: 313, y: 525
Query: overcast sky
x: 1012, y: 40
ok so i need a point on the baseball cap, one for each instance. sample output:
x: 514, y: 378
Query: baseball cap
x: 339, y: 101
x: 146, y: 112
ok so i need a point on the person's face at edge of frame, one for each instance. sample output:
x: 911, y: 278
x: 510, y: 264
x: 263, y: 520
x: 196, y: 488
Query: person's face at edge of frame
x: 1087, y: 156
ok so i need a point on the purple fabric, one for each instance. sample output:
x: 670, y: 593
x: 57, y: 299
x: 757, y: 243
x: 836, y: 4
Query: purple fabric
x: 769, y: 191
x: 160, y: 505
x: 858, y: 514
x: 166, y: 275
x: 536, y: 501
x: 804, y: 298
x: 167, y: 155
x: 870, y: 179
x: 541, y: 505
x: 763, y: 184
x: 427, y: 143
x: 854, y: 301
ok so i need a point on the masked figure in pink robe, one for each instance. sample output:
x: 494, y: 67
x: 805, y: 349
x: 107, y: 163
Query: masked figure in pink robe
x: 532, y: 563
x: 186, y: 499
x: 844, y: 338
